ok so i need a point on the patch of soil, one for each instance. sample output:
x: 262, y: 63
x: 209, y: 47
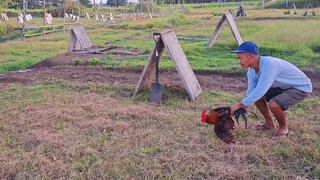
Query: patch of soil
x: 130, y: 77
x: 53, y: 69
x: 85, y: 55
x: 67, y: 59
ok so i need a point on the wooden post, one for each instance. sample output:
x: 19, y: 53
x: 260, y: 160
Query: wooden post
x: 170, y: 41
x: 217, y: 31
x: 182, y: 65
x: 79, y: 39
x: 79, y: 14
x: 149, y: 70
x: 95, y: 8
x: 64, y: 16
x: 44, y: 12
x: 227, y: 16
x: 24, y: 19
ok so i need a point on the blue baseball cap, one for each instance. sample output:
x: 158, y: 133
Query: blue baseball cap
x: 247, y: 47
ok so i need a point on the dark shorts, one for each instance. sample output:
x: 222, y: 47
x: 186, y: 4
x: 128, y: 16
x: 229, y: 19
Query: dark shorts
x: 285, y: 97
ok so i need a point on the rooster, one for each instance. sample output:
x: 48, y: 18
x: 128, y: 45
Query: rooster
x: 221, y: 119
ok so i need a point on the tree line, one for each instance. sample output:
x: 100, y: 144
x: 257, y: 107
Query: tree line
x: 38, y: 4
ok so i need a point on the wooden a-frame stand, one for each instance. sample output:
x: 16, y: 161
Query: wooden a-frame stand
x: 79, y: 39
x: 169, y: 40
x: 227, y: 16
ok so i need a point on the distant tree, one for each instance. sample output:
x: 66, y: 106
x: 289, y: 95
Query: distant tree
x: 5, y: 3
x: 86, y: 3
x: 116, y: 3
x: 33, y: 4
x: 56, y: 3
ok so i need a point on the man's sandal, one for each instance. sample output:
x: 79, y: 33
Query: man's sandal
x: 277, y: 136
x: 262, y: 127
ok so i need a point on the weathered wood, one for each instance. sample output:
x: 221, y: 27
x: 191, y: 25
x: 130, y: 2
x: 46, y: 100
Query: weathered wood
x: 73, y: 42
x: 192, y: 39
x: 189, y: 80
x: 79, y: 39
x: 66, y: 15
x: 48, y: 18
x: 87, y: 15
x: 233, y: 27
x: 149, y: 71
x: 182, y: 65
x: 20, y: 19
x: 217, y: 31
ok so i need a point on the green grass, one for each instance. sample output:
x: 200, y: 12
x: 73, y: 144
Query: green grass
x: 62, y: 130
x: 288, y: 37
x: 298, y: 3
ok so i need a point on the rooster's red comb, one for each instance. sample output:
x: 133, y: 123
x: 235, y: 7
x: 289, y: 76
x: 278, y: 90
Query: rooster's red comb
x: 204, y: 116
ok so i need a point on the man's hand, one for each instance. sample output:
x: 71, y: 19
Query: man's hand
x: 235, y: 107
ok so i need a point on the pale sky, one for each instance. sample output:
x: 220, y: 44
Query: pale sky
x: 98, y: 1
x: 104, y: 1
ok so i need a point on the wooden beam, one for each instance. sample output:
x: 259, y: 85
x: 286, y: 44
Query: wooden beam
x: 189, y: 80
x: 182, y: 65
x: 149, y: 71
x: 79, y: 39
x: 217, y: 31
x: 233, y: 27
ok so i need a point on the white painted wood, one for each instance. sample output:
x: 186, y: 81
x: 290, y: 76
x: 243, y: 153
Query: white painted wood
x: 20, y: 19
x: 110, y: 17
x: 48, y: 18
x: 66, y: 15
x: 27, y: 18
x: 87, y: 15
x: 4, y: 17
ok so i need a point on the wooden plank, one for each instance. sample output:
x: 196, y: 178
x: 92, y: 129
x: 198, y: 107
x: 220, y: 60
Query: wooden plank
x: 217, y: 31
x: 20, y: 19
x: 73, y: 42
x: 82, y: 36
x: 182, y: 65
x: 234, y: 28
x: 148, y: 73
x: 79, y: 39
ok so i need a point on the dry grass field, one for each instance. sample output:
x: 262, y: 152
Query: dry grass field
x: 61, y: 121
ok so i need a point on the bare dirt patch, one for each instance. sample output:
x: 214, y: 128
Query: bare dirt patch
x: 55, y: 69
x: 85, y: 55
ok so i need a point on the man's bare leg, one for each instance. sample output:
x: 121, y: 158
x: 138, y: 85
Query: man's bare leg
x: 263, y: 107
x: 281, y: 117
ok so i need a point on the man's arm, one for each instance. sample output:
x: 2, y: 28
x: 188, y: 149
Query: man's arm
x: 252, y: 81
x: 269, y: 72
